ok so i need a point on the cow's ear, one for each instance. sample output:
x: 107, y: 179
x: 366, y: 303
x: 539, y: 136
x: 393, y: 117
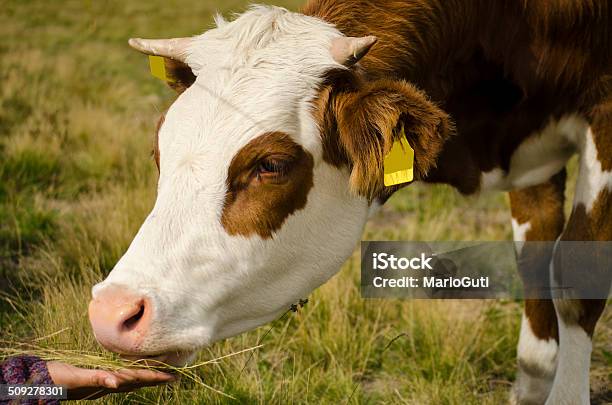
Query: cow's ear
x: 174, y: 51
x: 179, y: 75
x: 370, y: 119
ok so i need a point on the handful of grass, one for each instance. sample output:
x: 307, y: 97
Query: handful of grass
x: 105, y: 360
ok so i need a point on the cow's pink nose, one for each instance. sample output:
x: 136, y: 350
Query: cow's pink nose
x: 120, y: 319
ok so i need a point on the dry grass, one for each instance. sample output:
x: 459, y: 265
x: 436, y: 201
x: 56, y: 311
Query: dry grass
x: 77, y: 115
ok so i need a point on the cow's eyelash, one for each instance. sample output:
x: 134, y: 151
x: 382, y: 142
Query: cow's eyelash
x: 273, y: 166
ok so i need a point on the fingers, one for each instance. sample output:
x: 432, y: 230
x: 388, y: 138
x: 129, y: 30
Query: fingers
x: 134, y: 378
x: 85, y: 383
x: 146, y: 375
x: 74, y: 377
x: 100, y: 378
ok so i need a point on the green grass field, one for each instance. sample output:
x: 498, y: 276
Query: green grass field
x: 77, y: 115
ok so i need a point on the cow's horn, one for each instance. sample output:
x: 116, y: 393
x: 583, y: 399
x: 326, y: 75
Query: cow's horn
x: 348, y: 50
x: 175, y: 48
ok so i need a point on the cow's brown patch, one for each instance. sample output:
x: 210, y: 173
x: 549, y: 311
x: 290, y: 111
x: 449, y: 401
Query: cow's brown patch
x: 542, y: 318
x: 601, y: 125
x: 593, y: 225
x: 542, y: 207
x: 259, y: 202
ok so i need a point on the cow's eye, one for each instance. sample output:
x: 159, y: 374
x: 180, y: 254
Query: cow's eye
x: 272, y: 168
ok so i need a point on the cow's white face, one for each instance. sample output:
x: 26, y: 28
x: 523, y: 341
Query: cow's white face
x: 250, y: 215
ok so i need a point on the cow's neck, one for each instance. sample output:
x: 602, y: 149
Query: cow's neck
x: 416, y: 39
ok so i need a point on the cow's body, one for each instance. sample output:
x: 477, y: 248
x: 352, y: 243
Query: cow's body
x: 519, y: 87
x: 524, y: 82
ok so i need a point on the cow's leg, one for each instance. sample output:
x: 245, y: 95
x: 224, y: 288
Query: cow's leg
x: 537, y: 215
x: 591, y: 220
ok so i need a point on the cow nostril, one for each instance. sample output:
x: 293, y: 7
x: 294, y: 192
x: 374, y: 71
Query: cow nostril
x: 133, y: 321
x: 120, y: 318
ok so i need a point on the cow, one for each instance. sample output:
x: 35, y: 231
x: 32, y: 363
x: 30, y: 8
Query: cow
x: 271, y: 161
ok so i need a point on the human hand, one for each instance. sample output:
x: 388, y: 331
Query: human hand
x: 83, y: 383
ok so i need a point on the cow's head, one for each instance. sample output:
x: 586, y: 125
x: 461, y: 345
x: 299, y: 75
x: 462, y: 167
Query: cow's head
x: 270, y: 160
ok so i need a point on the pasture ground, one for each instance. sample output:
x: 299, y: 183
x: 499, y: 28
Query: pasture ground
x: 77, y: 116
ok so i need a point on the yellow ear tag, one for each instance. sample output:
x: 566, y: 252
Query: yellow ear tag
x: 158, y: 68
x: 399, y: 162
